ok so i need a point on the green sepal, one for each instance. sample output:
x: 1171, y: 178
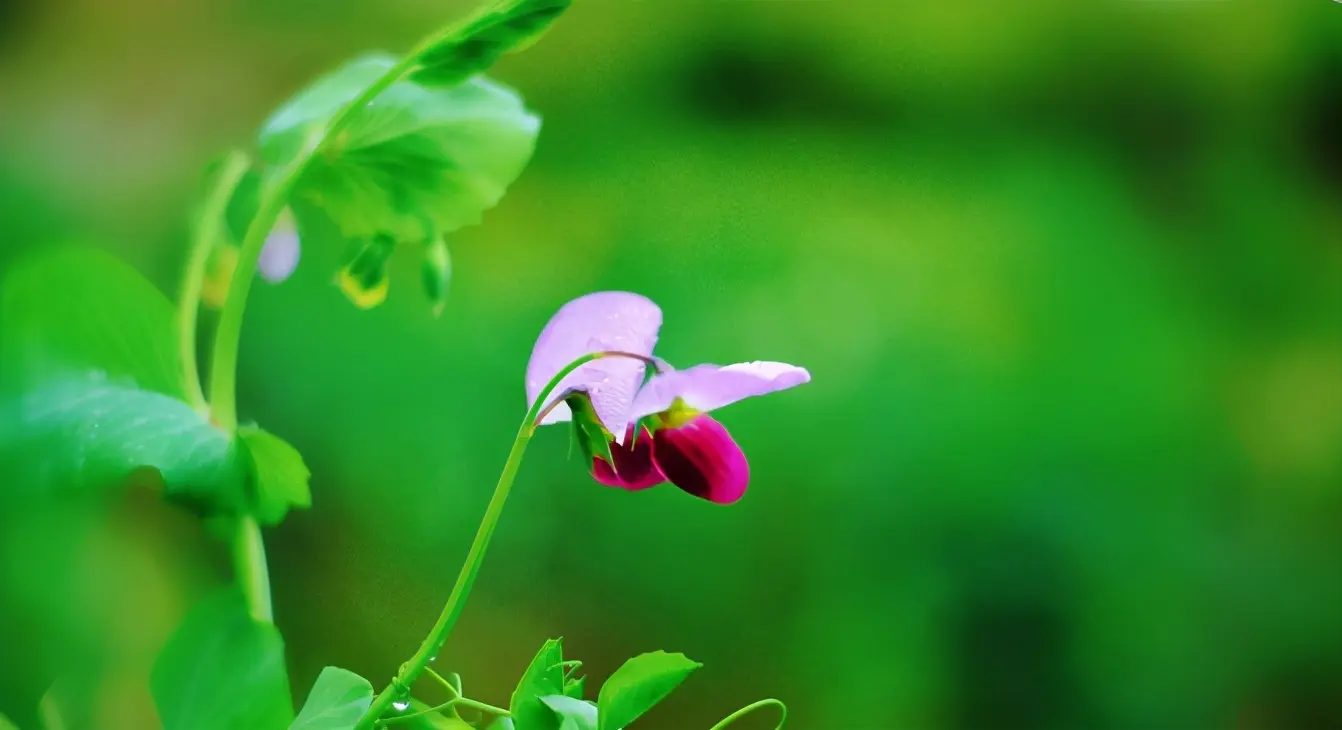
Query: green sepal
x: 436, y: 273
x: 592, y: 436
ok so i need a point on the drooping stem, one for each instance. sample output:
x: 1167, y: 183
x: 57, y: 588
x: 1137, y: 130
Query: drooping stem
x: 275, y: 193
x: 728, y: 720
x: 456, y: 601
x: 249, y: 554
x: 204, y: 237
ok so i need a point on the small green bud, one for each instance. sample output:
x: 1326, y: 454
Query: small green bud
x: 437, y: 272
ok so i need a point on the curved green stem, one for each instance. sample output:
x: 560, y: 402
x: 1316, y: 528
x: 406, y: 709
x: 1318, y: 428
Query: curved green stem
x: 248, y: 549
x: 204, y: 237
x: 274, y: 197
x: 433, y: 643
x: 782, y: 710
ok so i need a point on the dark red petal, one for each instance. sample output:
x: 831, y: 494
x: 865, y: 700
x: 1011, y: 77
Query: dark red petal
x: 701, y: 458
x: 634, y: 468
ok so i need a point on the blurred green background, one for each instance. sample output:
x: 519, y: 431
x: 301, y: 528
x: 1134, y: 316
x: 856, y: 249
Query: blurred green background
x: 1068, y: 277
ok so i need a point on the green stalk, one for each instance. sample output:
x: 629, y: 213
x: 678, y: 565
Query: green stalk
x: 274, y: 197
x: 249, y: 565
x: 433, y: 643
x: 209, y: 224
x: 248, y: 548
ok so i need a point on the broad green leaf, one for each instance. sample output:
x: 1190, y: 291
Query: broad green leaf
x: 481, y: 39
x: 6, y: 724
x: 337, y: 700
x: 221, y: 670
x: 640, y: 684
x: 85, y: 434
x: 416, y: 163
x: 573, y: 714
x: 278, y: 474
x: 82, y: 309
x: 543, y: 677
x: 501, y: 723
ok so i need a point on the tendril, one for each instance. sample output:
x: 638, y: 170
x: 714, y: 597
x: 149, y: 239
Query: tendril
x: 728, y: 720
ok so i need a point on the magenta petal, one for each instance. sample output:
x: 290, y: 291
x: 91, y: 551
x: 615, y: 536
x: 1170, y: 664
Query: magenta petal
x: 709, y: 387
x: 610, y: 320
x: 701, y: 458
x: 634, y: 468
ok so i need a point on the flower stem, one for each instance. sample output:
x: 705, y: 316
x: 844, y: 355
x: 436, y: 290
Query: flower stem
x: 208, y: 224
x: 249, y: 563
x: 433, y: 643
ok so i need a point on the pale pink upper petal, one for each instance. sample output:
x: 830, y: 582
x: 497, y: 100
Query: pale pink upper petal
x: 709, y: 387
x: 596, y: 322
x: 279, y: 256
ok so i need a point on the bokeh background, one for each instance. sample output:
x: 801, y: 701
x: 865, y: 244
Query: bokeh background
x: 1068, y: 277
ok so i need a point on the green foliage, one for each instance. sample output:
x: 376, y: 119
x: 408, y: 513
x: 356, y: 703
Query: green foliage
x: 543, y: 677
x: 338, y: 699
x: 416, y: 162
x: 411, y: 719
x: 80, y: 309
x: 574, y: 687
x: 7, y: 724
x: 480, y: 40
x: 93, y: 347
x: 222, y: 670
x: 573, y: 714
x: 85, y: 434
x: 640, y: 684
x: 279, y: 476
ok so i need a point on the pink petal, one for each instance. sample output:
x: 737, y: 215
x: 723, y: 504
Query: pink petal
x: 709, y: 387
x: 596, y: 322
x: 634, y: 468
x: 701, y: 458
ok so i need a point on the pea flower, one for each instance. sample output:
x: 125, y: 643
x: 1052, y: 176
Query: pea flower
x: 636, y: 434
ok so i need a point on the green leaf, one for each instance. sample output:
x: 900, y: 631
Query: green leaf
x: 574, y: 687
x: 640, y: 684
x: 278, y: 474
x: 337, y: 700
x: 543, y: 677
x: 415, y: 163
x: 573, y: 714
x: 430, y: 721
x: 481, y: 39
x: 85, y: 434
x: 7, y: 724
x: 81, y: 309
x: 221, y: 670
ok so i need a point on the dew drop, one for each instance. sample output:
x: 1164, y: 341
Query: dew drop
x: 400, y: 706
